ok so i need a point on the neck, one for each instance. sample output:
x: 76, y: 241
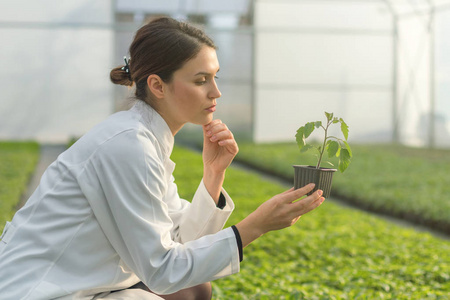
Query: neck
x: 174, y: 126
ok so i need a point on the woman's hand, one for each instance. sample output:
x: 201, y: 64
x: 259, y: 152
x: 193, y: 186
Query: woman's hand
x: 219, y: 147
x: 279, y: 212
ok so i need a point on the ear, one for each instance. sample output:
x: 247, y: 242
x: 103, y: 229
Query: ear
x: 156, y: 85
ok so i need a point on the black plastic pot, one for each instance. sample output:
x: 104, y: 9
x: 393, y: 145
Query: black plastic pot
x: 322, y: 177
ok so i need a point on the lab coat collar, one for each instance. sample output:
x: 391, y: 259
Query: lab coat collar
x: 156, y: 124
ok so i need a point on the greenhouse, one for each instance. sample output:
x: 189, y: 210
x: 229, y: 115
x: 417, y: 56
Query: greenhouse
x: 382, y: 65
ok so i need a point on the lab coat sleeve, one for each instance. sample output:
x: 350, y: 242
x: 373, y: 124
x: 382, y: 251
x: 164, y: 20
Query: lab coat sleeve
x: 124, y: 184
x: 201, y: 216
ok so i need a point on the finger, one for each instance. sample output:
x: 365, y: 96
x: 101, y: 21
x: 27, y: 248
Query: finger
x: 287, y: 191
x: 230, y: 145
x: 217, y: 128
x: 293, y: 195
x: 211, y: 124
x: 312, y: 206
x: 295, y: 220
x: 309, y: 203
x: 227, y: 142
x: 221, y: 135
x: 213, y: 128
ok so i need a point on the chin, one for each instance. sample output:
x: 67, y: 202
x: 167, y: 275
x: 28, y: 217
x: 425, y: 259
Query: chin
x: 205, y: 121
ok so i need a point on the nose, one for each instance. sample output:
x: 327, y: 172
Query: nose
x: 214, y: 92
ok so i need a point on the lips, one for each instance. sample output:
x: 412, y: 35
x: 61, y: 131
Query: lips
x: 211, y: 109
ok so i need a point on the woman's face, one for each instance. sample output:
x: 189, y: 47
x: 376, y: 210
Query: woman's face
x: 192, y: 93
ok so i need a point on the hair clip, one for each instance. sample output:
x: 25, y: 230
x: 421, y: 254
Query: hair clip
x: 126, y: 68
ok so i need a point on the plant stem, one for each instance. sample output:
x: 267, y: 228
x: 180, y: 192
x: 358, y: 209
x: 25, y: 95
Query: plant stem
x: 323, y: 146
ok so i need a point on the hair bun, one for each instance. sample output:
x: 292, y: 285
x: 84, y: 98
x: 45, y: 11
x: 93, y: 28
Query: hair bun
x: 119, y: 75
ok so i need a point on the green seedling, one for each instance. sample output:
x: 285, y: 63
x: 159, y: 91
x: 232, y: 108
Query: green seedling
x: 336, y: 147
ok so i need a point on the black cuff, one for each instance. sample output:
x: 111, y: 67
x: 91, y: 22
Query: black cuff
x: 222, y: 201
x: 239, y: 242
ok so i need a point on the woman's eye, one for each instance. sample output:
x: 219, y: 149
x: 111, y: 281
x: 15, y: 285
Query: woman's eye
x: 204, y: 81
x: 201, y: 81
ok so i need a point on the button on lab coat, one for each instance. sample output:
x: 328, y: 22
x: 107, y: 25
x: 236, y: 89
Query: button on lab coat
x: 107, y: 215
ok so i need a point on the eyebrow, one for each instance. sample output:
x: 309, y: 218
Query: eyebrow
x: 205, y: 73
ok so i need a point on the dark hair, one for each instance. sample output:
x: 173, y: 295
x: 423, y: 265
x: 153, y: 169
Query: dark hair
x: 160, y: 47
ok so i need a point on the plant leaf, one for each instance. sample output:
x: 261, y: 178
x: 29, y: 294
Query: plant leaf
x: 306, y: 148
x: 335, y: 120
x: 329, y: 116
x: 347, y: 146
x: 344, y: 129
x: 309, y: 128
x: 300, y: 137
x: 332, y: 148
x: 318, y: 124
x: 344, y: 160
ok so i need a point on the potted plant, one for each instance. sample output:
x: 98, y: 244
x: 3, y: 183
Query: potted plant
x: 334, y: 147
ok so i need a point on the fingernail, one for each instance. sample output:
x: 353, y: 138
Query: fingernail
x: 208, y: 133
x: 312, y: 185
x: 319, y: 192
x: 213, y: 138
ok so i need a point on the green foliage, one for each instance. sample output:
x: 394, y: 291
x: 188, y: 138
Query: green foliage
x: 17, y: 162
x: 335, y: 147
x: 331, y: 253
x: 397, y: 180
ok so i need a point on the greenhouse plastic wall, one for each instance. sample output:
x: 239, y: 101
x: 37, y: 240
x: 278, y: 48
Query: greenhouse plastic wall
x: 316, y: 56
x: 381, y: 65
x: 442, y: 85
x: 413, y: 80
x: 55, y: 68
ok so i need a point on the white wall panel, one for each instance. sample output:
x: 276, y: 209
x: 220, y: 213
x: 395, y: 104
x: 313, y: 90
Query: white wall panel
x: 48, y: 11
x: 442, y: 109
x: 234, y: 54
x: 184, y: 6
x: 295, y: 58
x: 316, y: 56
x: 280, y: 113
x: 55, y: 80
x: 413, y: 81
x: 354, y: 15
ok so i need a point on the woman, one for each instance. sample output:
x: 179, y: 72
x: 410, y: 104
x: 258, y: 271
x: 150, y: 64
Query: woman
x: 106, y: 221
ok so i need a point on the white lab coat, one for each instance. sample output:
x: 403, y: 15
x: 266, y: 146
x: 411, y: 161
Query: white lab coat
x: 107, y: 215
